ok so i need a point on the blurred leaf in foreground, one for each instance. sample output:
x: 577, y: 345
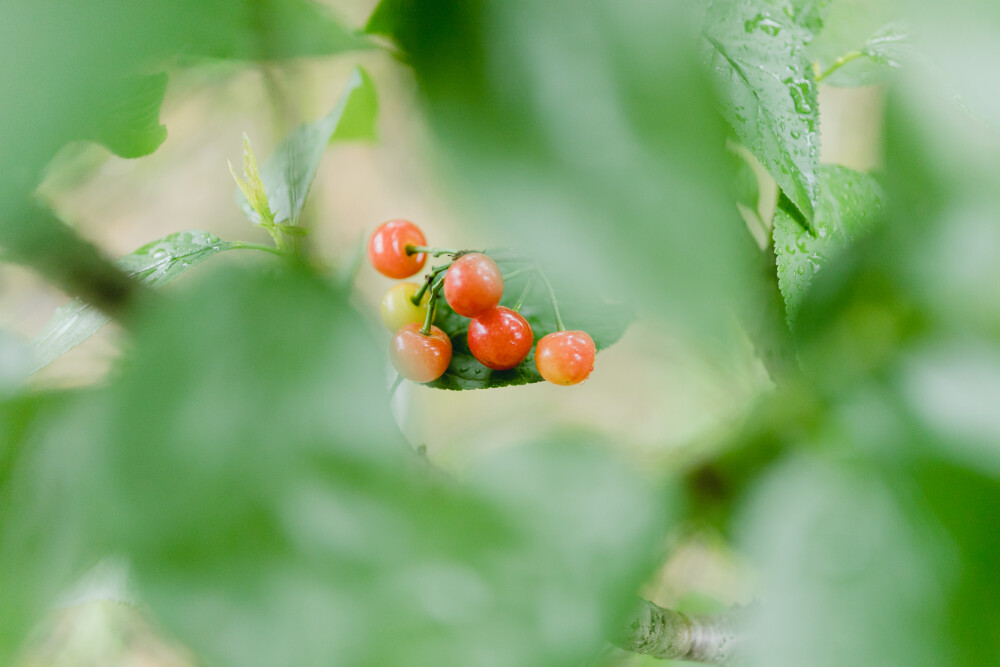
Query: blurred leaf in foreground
x: 43, y: 544
x: 252, y: 474
x: 587, y: 135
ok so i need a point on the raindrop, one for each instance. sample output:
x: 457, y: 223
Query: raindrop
x: 799, y: 90
x: 764, y: 24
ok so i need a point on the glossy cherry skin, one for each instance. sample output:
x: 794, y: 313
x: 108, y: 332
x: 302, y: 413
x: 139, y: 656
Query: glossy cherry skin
x: 419, y: 357
x: 397, y: 309
x: 387, y: 249
x: 565, y: 357
x: 500, y: 338
x: 473, y: 284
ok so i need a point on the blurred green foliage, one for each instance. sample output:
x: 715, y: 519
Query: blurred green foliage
x: 243, y: 457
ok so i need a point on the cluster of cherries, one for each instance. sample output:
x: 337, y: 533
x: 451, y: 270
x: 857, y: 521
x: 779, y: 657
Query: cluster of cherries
x: 499, y: 337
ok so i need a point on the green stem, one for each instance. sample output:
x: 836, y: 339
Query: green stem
x: 838, y: 63
x: 431, y: 307
x: 435, y: 252
x: 419, y: 294
x: 524, y: 292
x: 242, y: 245
x: 552, y: 298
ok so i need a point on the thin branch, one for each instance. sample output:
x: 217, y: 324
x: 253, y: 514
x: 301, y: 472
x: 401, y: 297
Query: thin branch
x: 671, y: 635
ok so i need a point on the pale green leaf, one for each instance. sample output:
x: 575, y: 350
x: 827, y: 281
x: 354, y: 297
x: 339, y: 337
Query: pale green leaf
x: 290, y: 171
x: 262, y: 492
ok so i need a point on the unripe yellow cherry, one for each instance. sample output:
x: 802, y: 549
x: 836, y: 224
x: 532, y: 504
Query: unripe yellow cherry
x: 398, y: 310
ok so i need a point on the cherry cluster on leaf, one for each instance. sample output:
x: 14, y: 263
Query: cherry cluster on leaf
x: 472, y: 284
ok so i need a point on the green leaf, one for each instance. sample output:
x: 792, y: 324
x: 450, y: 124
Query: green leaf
x: 849, y: 203
x: 768, y: 90
x: 261, y: 491
x: 155, y: 264
x: 385, y: 19
x: 290, y: 171
x: 605, y: 323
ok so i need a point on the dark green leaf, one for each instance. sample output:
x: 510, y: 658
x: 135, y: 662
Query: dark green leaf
x: 605, y: 323
x: 155, y: 264
x: 290, y: 171
x: 849, y: 202
x: 386, y: 19
x: 261, y: 491
x: 768, y: 90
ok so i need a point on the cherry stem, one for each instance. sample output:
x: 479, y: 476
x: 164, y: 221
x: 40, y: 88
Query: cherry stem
x: 552, y: 298
x: 435, y: 252
x: 419, y: 294
x: 431, y: 307
x: 525, y: 291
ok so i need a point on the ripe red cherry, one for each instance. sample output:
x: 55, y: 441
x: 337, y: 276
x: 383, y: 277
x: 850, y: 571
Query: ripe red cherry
x: 473, y: 284
x: 500, y: 338
x: 420, y: 357
x: 565, y: 357
x: 387, y: 249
